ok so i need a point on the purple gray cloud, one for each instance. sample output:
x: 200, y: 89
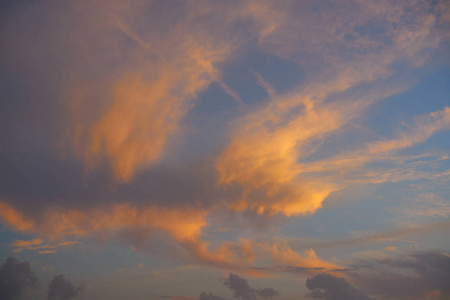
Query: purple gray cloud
x: 15, y: 277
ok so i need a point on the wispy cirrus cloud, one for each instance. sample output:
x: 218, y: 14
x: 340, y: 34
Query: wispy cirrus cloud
x: 267, y: 148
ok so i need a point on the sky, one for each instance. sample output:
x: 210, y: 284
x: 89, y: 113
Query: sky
x: 217, y: 150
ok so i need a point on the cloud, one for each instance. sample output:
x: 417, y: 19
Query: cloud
x: 125, y: 78
x: 241, y: 290
x: 231, y: 256
x: 96, y: 120
x: 135, y: 225
x: 382, y: 236
x: 274, y: 180
x: 411, y: 276
x: 146, y: 96
x: 329, y: 287
x: 267, y: 292
x: 425, y: 127
x: 39, y: 245
x: 58, y: 223
x: 373, y: 33
x: 293, y: 261
x: 117, y: 111
x: 21, y: 245
x: 62, y: 289
x: 178, y: 297
x: 264, y: 159
x: 240, y: 287
x: 270, y: 149
x: 209, y: 296
x: 426, y: 206
x: 15, y: 277
x: 421, y: 129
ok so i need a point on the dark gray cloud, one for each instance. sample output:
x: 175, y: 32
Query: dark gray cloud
x: 412, y: 276
x: 62, y: 289
x: 14, y: 278
x: 243, y: 291
x: 329, y: 287
x: 240, y: 287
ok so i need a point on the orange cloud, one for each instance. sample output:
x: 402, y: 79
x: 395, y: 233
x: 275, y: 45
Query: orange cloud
x: 34, y: 242
x: 47, y: 251
x: 145, y: 97
x: 263, y: 156
x: 39, y: 245
x: 147, y: 108
x: 425, y: 127
x: 184, y: 225
x: 58, y: 223
x: 268, y: 150
x: 311, y: 263
x: 247, y: 250
x: 14, y: 218
x: 230, y: 256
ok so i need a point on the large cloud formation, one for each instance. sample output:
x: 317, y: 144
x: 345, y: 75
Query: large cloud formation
x: 98, y: 94
x: 15, y: 277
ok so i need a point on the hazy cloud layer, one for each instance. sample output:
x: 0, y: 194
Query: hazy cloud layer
x: 15, y: 277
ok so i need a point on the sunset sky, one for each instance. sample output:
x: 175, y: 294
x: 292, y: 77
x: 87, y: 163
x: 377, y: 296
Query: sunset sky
x: 212, y: 150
